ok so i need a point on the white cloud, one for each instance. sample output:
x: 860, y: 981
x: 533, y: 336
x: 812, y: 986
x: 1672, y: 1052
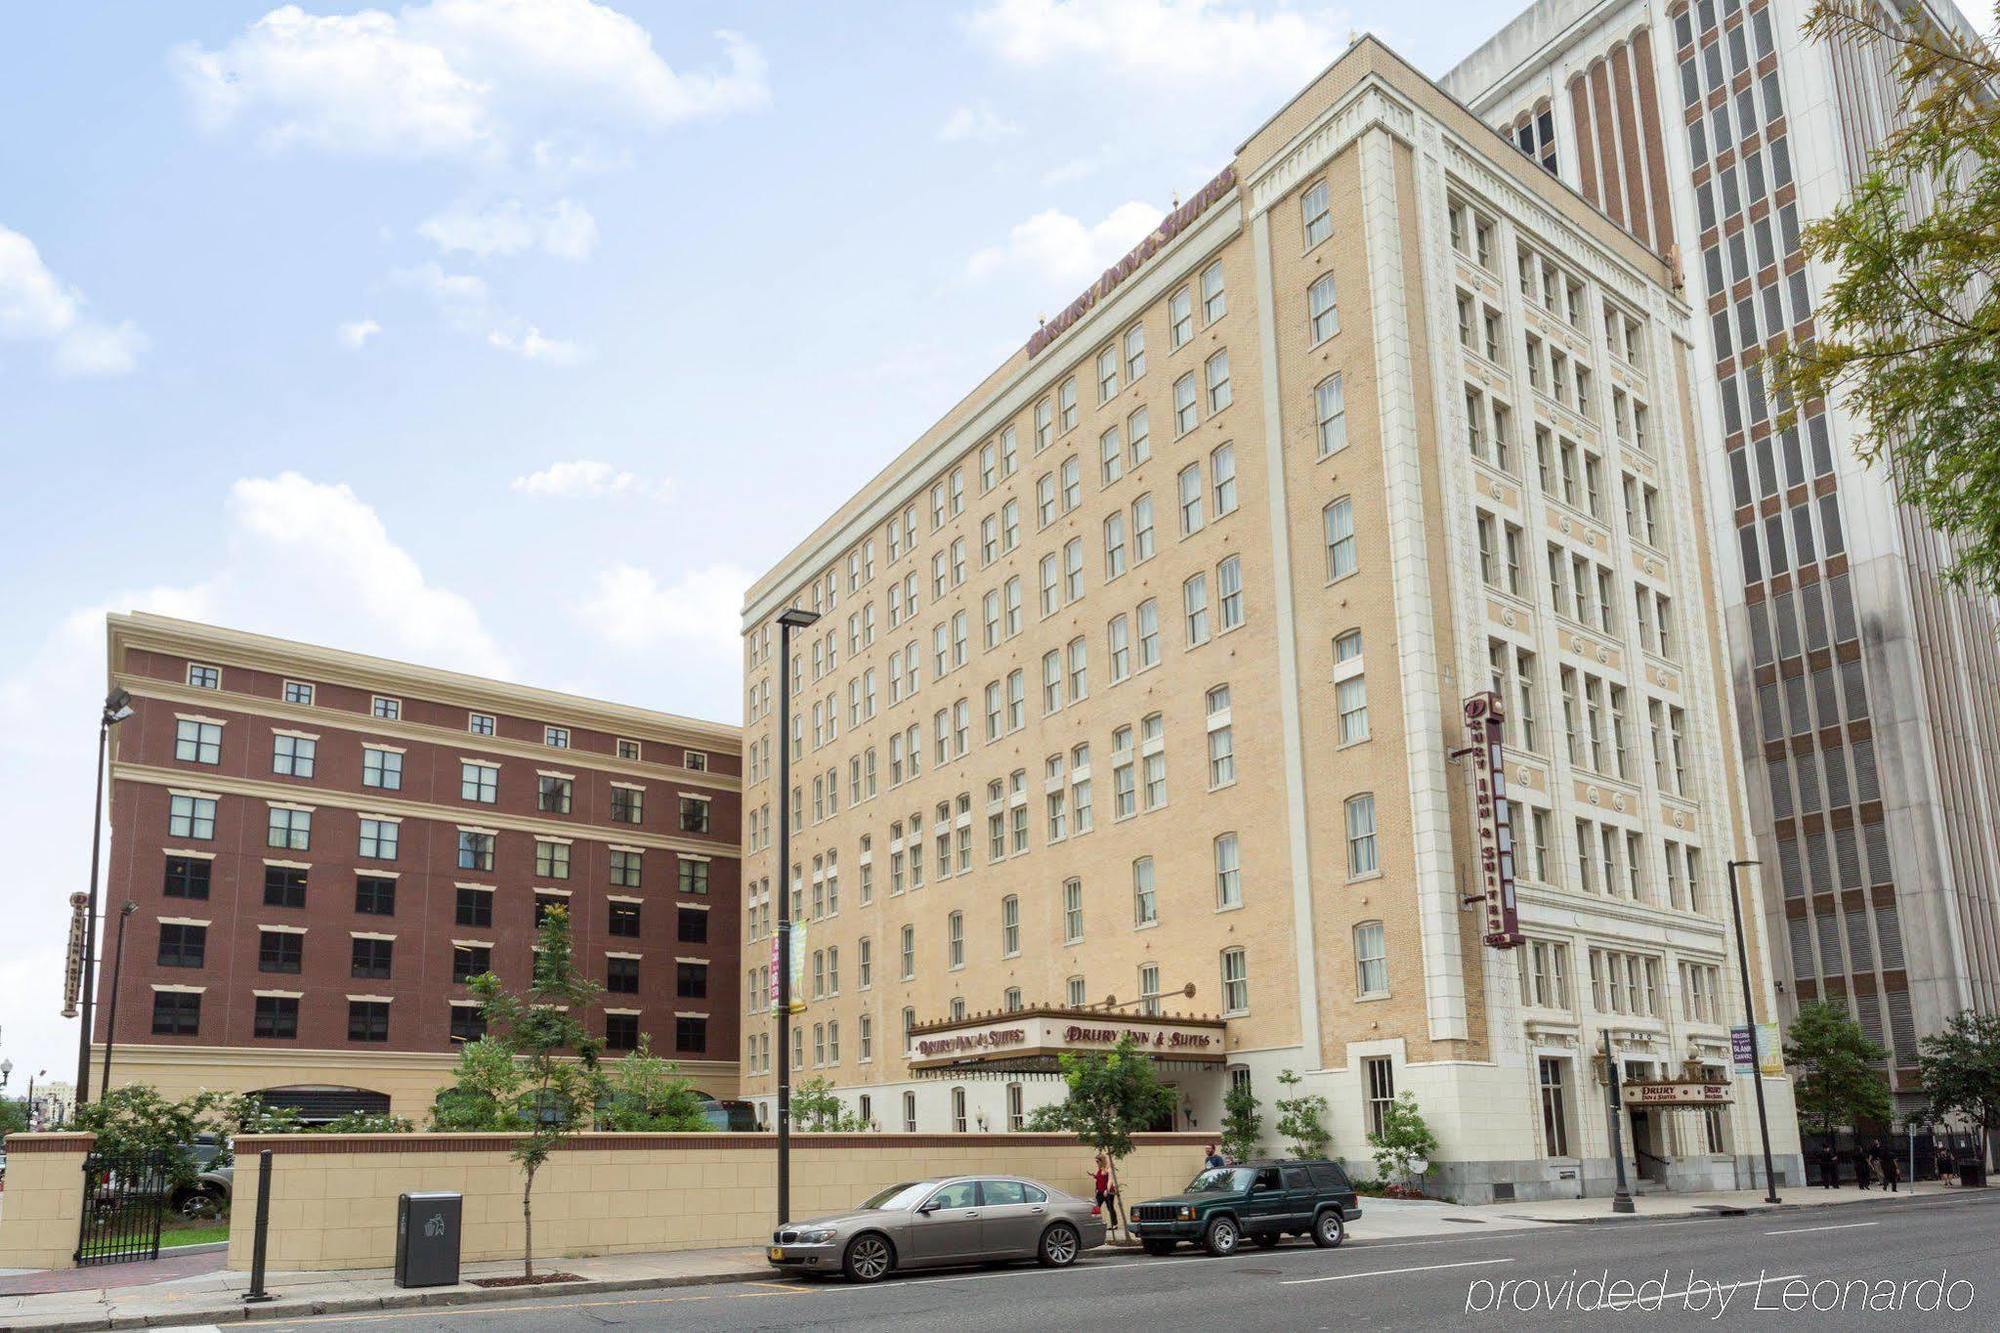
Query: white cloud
x: 356, y: 332
x: 629, y: 607
x: 455, y: 77
x: 566, y: 230
x: 1057, y: 247
x: 291, y: 557
x: 976, y: 124
x: 37, y: 306
x: 1210, y: 40
x: 1068, y: 173
x: 587, y: 478
x: 530, y: 344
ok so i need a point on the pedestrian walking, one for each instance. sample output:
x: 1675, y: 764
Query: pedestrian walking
x: 1829, y: 1167
x: 1213, y: 1159
x: 1886, y: 1160
x: 1862, y: 1171
x: 1107, y: 1193
x: 1946, y: 1168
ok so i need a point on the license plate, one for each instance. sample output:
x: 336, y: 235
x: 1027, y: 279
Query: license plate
x: 777, y: 1255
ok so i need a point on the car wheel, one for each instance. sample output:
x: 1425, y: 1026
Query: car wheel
x: 869, y: 1257
x: 1268, y: 1242
x: 199, y: 1205
x: 1329, y: 1229
x: 1221, y: 1237
x: 1158, y: 1247
x: 1060, y: 1246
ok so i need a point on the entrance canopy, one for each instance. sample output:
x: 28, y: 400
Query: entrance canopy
x: 1030, y: 1042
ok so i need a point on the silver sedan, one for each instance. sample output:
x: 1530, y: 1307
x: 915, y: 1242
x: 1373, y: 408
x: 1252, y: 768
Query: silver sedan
x: 948, y: 1220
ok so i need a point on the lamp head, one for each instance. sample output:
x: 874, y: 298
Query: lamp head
x: 798, y: 618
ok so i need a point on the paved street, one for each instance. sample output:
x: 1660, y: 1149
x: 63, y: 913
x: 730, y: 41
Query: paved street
x: 1704, y: 1270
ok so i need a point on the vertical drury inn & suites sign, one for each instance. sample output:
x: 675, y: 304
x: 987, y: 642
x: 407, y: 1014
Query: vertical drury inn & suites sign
x: 1483, y: 718
x: 1172, y: 225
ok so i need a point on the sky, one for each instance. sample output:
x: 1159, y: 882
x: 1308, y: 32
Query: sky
x: 518, y: 336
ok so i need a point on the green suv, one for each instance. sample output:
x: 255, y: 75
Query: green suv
x: 1258, y: 1201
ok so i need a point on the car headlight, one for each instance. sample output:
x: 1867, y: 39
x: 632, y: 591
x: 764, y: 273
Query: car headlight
x: 816, y: 1235
x: 1185, y: 1213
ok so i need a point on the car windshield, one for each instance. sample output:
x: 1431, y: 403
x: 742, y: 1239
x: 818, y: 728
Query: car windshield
x: 905, y: 1196
x: 1222, y: 1180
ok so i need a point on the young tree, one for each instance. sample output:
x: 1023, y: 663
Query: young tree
x: 1405, y: 1145
x: 1111, y: 1096
x: 1242, y: 1122
x: 13, y: 1116
x: 1835, y: 1081
x: 1909, y: 330
x: 817, y: 1109
x: 485, y: 1091
x: 135, y: 1119
x: 557, y: 1082
x: 1302, y: 1119
x: 649, y: 1094
x: 1960, y: 1067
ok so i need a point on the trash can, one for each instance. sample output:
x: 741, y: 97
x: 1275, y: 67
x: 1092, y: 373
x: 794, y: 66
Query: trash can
x: 427, y: 1228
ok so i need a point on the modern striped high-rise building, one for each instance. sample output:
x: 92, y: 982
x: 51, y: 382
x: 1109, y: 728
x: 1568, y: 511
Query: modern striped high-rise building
x: 1154, y: 689
x: 1867, y: 688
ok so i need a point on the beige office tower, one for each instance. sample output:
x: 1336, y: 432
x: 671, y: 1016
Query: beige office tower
x: 1867, y: 689
x: 1139, y: 697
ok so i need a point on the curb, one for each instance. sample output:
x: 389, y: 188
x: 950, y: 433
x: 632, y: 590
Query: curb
x: 236, y: 1312
x: 1712, y: 1210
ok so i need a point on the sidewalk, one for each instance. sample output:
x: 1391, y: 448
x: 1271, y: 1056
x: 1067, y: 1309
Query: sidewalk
x: 167, y: 1296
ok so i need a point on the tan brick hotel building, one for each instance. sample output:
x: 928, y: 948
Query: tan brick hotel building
x: 1149, y: 667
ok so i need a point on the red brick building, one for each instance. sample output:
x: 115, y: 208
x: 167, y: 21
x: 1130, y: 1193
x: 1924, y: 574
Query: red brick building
x: 324, y: 846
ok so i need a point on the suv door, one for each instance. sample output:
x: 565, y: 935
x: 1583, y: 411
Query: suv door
x: 1263, y: 1209
x: 1010, y: 1223
x: 946, y: 1228
x: 1298, y: 1198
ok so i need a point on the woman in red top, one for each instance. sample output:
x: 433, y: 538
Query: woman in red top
x: 1107, y: 1193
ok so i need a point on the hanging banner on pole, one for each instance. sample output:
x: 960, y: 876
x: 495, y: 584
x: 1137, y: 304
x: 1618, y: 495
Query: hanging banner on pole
x: 798, y: 967
x: 1483, y: 719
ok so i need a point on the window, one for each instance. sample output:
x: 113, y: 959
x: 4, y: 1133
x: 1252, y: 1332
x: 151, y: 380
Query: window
x: 551, y: 859
x: 479, y: 724
x: 284, y: 886
x: 388, y: 710
x: 1219, y: 393
x: 1194, y: 601
x: 1072, y: 911
x: 1118, y: 634
x: 474, y: 907
x: 693, y: 875
x: 478, y: 782
x: 289, y: 828
x: 1114, y: 545
x: 909, y: 953
x: 1322, y: 312
x: 197, y: 742
x: 1228, y: 872
x: 1379, y: 1078
x: 1135, y: 352
x: 623, y: 920
x: 553, y: 794
x: 691, y: 981
x: 1316, y: 208
x: 191, y: 817
x: 374, y: 896
x: 1555, y: 1106
x: 378, y: 838
x: 1186, y: 411
x: 694, y: 815
x: 1330, y: 409
x: 298, y: 692
x: 628, y: 805
x: 1180, y: 318
x: 1371, y: 960
x: 556, y: 737
x: 1074, y: 993
x: 1010, y: 926
x: 1149, y: 990
x: 475, y: 850
x: 280, y: 950
x: 1361, y: 835
x: 1066, y: 404
x: 1152, y: 734
x: 1221, y: 739
x: 625, y: 868
x: 1214, y: 301
x: 1222, y: 476
x: 1145, y: 904
x: 1149, y: 634
x: 368, y: 1020
x: 182, y: 945
x: 1235, y: 982
x: 1338, y: 522
x: 371, y: 958
x: 955, y: 940
x: 381, y: 768
x: 1229, y: 589
x: 1107, y: 374
x: 204, y: 677
x: 187, y: 877
x: 691, y: 1034
x: 293, y: 756
x: 275, y: 1017
x: 177, y: 1013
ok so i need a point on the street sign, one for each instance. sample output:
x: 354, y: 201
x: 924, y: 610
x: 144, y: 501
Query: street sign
x: 79, y: 905
x: 1483, y: 718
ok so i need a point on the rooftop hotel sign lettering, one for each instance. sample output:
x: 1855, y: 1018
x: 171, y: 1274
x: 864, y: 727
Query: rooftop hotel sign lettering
x: 1483, y: 720
x: 1170, y: 226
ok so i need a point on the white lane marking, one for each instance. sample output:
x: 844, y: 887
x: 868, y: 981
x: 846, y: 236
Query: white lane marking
x: 1757, y: 1282
x: 1387, y: 1272
x: 1800, y: 1231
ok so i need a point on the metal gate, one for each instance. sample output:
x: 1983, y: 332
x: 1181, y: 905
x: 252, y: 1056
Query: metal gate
x: 124, y: 1198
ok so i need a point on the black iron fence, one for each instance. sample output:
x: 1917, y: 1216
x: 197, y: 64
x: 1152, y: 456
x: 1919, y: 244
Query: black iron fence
x: 1918, y: 1157
x: 124, y: 1200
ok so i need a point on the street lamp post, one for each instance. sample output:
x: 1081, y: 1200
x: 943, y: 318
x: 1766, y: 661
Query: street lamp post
x: 111, y: 1012
x: 117, y: 707
x: 1621, y: 1201
x: 1750, y: 1021
x: 796, y: 618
